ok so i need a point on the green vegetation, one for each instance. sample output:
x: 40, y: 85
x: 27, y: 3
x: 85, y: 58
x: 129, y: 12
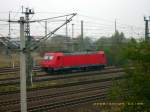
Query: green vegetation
x: 113, y: 47
x: 138, y: 81
x: 133, y: 91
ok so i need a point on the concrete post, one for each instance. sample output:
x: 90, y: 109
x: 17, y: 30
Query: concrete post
x: 22, y: 68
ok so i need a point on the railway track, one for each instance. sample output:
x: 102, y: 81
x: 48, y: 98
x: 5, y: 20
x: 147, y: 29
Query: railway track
x: 69, y: 102
x: 47, y: 77
x: 72, y: 99
x: 88, y: 80
x: 66, y: 94
x: 111, y: 76
x: 55, y: 98
x: 43, y: 95
x: 5, y: 70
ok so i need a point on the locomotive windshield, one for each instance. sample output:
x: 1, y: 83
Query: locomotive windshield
x: 48, y: 57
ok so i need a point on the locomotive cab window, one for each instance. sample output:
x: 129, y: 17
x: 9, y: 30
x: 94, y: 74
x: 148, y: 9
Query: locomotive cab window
x: 48, y: 57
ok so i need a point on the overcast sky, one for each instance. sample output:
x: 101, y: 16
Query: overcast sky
x: 130, y: 12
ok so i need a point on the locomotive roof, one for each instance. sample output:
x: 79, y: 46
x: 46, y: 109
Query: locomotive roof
x: 76, y: 53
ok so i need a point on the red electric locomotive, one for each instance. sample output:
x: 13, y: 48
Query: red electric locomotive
x: 68, y: 61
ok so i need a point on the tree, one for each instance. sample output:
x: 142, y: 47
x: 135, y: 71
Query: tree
x: 138, y: 79
x: 83, y: 45
x: 118, y: 38
x: 113, y: 47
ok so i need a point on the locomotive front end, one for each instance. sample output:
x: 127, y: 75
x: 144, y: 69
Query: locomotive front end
x: 47, y: 63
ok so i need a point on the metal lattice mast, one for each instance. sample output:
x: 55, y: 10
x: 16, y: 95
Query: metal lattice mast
x: 29, y: 59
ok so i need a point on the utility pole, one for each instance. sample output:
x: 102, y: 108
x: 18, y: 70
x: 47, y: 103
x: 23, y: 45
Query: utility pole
x: 72, y: 31
x: 23, y: 94
x: 146, y: 28
x: 67, y: 37
x: 72, y: 37
x: 66, y: 29
x: 45, y: 27
x: 9, y: 34
x: 29, y: 59
x: 44, y: 45
x: 82, y: 39
x: 8, y: 51
x: 115, y: 26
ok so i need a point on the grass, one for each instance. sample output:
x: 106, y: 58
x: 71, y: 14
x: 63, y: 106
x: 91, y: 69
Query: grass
x: 8, y: 75
x: 9, y: 88
x: 14, y: 59
x: 8, y: 61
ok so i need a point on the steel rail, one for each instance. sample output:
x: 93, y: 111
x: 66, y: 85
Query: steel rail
x: 46, y: 77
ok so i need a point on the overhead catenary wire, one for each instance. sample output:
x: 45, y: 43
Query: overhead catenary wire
x: 93, y: 24
x: 33, y: 46
x: 54, y: 17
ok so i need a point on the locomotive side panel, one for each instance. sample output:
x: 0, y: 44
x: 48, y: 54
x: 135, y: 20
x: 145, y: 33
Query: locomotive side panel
x: 80, y: 60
